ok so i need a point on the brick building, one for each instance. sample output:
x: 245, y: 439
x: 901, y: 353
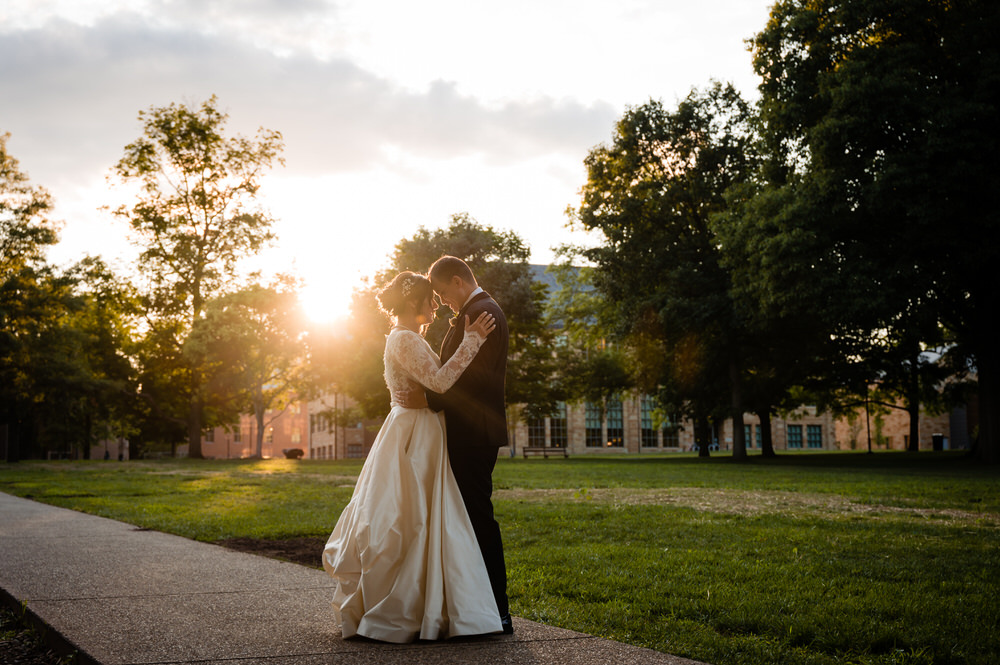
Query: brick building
x: 283, y: 430
x: 630, y: 425
x: 329, y: 439
x: 889, y: 429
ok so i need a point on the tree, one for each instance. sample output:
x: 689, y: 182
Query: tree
x: 68, y: 379
x: 25, y: 230
x: 652, y: 193
x: 195, y: 218
x: 589, y: 366
x: 101, y: 327
x: 251, y: 347
x: 499, y: 260
x: 878, y: 206
x: 25, y: 234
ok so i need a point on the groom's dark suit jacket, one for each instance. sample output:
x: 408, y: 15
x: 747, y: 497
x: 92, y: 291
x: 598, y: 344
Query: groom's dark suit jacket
x: 476, y: 422
x: 474, y: 407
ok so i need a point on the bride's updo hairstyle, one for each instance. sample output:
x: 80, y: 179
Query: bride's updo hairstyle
x: 406, y: 288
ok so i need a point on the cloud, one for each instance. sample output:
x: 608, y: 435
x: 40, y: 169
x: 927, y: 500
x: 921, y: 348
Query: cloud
x: 71, y: 94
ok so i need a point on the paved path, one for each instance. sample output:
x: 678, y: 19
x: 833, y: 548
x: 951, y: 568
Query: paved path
x: 121, y: 595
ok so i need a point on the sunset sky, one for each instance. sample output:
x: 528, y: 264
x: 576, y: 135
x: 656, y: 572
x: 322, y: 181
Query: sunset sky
x: 395, y: 114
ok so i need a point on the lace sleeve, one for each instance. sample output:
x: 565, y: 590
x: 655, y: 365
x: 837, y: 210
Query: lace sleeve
x: 417, y: 359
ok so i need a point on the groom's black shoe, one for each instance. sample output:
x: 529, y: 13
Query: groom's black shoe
x: 508, y: 625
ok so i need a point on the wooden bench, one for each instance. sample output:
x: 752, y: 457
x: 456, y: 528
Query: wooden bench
x: 544, y: 451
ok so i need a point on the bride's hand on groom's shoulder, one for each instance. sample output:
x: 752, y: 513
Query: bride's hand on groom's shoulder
x: 484, y: 324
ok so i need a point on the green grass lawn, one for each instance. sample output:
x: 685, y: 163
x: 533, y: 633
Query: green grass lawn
x: 809, y: 558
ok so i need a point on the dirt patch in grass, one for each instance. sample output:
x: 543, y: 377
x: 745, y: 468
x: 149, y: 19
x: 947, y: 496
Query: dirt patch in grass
x: 744, y: 503
x: 327, y: 479
x: 305, y: 551
x: 308, y: 551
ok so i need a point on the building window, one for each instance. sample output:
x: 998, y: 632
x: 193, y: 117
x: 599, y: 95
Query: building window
x: 616, y: 419
x: 296, y: 437
x: 558, y: 437
x: 814, y: 436
x: 237, y: 434
x: 355, y: 451
x: 269, y: 436
x: 671, y: 433
x: 592, y: 418
x: 210, y: 436
x: 751, y: 435
x: 536, y: 432
x: 795, y: 436
x: 649, y: 434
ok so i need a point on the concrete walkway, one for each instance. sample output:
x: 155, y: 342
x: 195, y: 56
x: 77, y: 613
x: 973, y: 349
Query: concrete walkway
x: 117, y: 594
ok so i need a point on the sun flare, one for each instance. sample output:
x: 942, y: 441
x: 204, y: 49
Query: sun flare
x: 323, y: 303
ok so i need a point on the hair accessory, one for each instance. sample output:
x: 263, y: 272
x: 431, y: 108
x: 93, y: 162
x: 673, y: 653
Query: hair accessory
x: 407, y: 285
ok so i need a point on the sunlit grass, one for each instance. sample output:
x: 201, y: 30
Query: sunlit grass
x: 879, y: 559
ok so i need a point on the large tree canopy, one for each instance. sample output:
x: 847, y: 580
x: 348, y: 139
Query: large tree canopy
x: 651, y: 193
x: 25, y: 230
x: 252, y: 350
x: 878, y: 212
x: 31, y: 300
x: 64, y: 377
x: 195, y: 217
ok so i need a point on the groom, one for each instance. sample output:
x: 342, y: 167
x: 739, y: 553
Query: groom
x: 475, y: 414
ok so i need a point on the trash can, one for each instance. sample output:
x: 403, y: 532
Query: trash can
x: 937, y: 440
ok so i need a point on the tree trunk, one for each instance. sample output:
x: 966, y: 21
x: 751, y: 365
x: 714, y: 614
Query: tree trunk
x: 88, y: 426
x: 13, y: 436
x: 913, y: 408
x: 739, y: 434
x: 766, y: 438
x: 258, y: 412
x: 913, y: 405
x: 988, y: 441
x: 702, y: 435
x: 197, y: 415
x: 194, y: 428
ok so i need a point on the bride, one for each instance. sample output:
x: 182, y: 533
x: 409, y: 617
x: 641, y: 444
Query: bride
x: 403, y: 551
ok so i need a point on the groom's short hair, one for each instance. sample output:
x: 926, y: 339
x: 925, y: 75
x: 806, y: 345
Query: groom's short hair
x: 450, y: 266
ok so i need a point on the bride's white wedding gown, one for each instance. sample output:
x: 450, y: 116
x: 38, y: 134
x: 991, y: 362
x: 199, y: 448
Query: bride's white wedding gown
x: 403, y: 552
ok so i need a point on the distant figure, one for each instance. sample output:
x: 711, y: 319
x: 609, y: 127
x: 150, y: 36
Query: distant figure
x: 107, y: 454
x: 404, y: 550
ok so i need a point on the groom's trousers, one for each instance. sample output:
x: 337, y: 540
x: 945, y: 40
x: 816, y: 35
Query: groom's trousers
x: 473, y: 469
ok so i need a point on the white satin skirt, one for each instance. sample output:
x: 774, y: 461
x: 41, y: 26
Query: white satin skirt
x: 403, y: 552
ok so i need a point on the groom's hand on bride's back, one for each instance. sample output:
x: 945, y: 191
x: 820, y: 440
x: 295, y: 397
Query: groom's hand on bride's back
x: 410, y: 399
